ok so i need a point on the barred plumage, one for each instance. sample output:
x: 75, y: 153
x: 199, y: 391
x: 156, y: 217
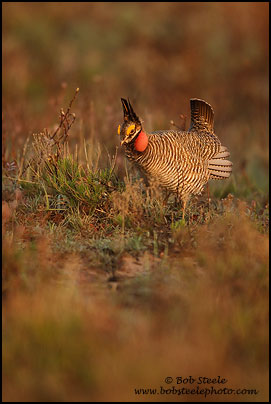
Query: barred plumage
x: 180, y: 161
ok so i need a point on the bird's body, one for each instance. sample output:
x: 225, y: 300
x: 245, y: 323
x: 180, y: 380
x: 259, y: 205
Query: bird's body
x: 182, y: 162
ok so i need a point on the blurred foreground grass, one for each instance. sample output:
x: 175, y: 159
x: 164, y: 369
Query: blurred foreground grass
x: 198, y: 307
x: 104, y: 290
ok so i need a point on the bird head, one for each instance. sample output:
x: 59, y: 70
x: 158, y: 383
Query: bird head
x: 131, y: 127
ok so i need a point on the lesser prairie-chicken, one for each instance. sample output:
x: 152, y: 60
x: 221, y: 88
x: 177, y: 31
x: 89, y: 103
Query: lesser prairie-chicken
x: 182, y: 162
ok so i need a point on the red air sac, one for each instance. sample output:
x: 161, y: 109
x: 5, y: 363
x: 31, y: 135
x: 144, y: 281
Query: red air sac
x: 141, y: 142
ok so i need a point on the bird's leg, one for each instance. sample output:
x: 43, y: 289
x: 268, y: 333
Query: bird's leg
x: 185, y: 200
x: 184, y: 206
x: 165, y: 200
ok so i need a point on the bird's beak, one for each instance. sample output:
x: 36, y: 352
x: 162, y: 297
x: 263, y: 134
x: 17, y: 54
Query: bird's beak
x: 122, y: 142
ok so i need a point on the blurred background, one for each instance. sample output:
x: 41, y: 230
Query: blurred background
x: 158, y: 54
x: 201, y: 306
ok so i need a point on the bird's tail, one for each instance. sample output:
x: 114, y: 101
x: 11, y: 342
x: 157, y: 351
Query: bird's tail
x: 218, y: 166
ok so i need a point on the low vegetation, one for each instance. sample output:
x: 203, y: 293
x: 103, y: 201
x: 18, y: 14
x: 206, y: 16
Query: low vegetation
x: 106, y: 292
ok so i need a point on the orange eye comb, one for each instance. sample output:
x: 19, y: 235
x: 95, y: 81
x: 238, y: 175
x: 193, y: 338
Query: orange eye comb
x: 129, y: 130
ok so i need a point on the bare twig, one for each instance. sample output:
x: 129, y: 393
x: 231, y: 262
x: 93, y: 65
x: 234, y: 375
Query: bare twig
x: 44, y: 142
x: 183, y: 126
x: 64, y: 117
x: 174, y: 124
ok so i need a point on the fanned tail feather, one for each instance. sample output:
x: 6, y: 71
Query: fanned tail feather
x: 218, y: 166
x: 223, y: 153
